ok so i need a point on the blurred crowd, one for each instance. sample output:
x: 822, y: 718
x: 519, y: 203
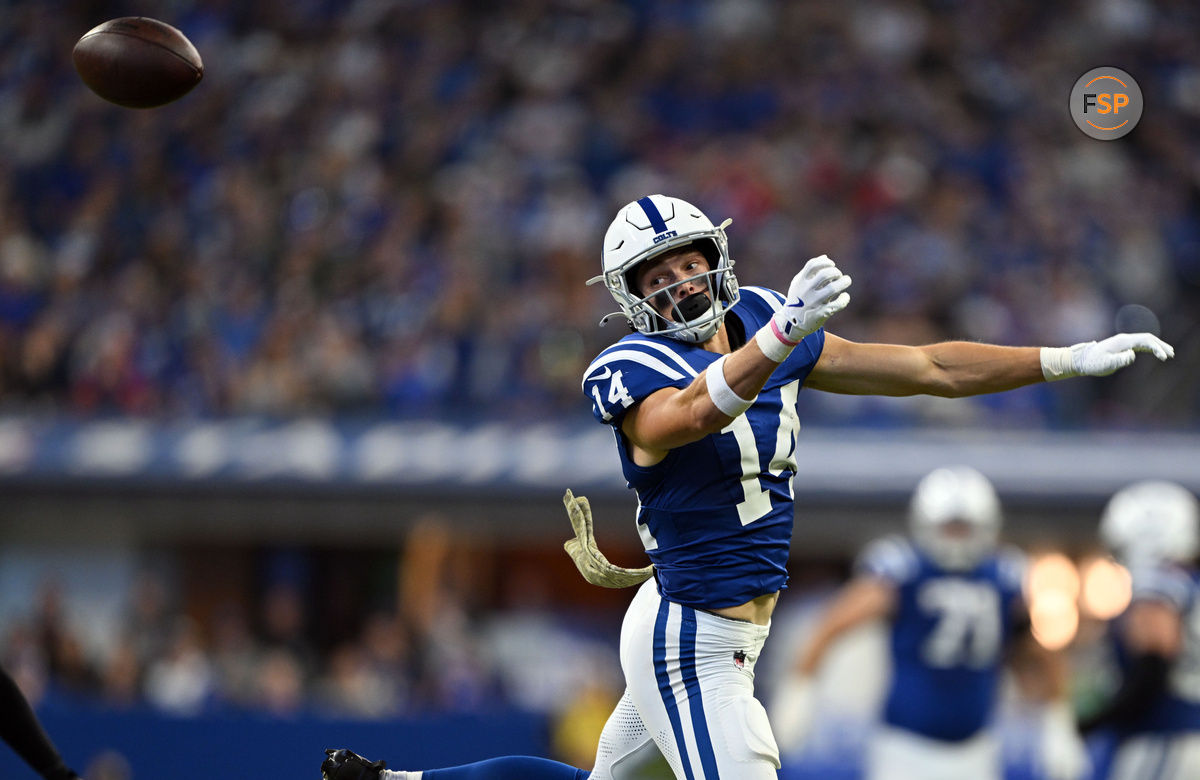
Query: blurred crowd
x: 419, y: 633
x: 390, y: 207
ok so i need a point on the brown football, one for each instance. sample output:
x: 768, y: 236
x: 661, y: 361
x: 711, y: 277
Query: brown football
x: 137, y: 62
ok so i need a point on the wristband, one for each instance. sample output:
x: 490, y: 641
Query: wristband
x: 1057, y: 363
x: 730, y: 403
x: 773, y: 343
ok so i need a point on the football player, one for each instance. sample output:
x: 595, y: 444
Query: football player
x: 1153, y: 528
x: 955, y: 607
x: 19, y: 727
x: 701, y: 398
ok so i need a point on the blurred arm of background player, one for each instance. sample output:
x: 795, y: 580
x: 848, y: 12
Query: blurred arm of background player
x: 1043, y: 675
x: 1154, y: 634
x: 20, y: 728
x: 862, y: 600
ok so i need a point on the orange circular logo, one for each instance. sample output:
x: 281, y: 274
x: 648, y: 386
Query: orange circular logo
x: 1106, y: 103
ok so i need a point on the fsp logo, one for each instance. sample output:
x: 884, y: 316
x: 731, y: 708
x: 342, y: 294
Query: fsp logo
x: 1106, y: 103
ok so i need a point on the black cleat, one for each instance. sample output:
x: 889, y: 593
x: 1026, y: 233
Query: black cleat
x: 346, y: 765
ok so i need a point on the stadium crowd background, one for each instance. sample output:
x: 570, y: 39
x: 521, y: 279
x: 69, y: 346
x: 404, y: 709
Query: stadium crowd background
x: 391, y: 207
x: 388, y: 210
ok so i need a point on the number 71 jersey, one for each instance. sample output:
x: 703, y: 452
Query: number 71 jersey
x: 948, y: 635
x: 715, y: 515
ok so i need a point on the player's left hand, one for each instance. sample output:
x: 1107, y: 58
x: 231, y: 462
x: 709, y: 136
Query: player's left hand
x: 591, y: 563
x: 1101, y: 358
x: 1064, y: 755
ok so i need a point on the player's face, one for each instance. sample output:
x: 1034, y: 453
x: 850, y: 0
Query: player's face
x: 956, y: 529
x: 670, y: 269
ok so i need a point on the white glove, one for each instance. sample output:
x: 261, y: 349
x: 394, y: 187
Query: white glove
x: 792, y: 712
x: 591, y: 563
x: 816, y: 294
x: 1101, y: 358
x: 1064, y: 755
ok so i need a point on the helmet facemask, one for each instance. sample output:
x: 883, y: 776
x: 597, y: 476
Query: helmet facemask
x: 694, y: 317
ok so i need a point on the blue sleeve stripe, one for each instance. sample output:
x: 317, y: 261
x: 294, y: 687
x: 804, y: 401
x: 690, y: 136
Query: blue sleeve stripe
x: 772, y: 298
x: 641, y: 358
x: 664, y: 349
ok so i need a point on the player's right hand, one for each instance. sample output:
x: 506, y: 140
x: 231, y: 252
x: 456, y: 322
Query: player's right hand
x: 792, y: 711
x: 815, y: 294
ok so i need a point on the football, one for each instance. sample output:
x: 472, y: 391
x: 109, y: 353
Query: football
x: 137, y: 62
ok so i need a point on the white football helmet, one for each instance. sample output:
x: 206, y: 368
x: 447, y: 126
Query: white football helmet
x: 1152, y: 521
x: 648, y: 227
x: 954, y: 516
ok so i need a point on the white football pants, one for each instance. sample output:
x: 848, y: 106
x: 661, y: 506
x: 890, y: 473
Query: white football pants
x: 896, y: 754
x: 689, y: 696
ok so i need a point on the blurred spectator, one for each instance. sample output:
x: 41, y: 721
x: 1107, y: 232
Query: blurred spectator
x: 121, y: 677
x: 235, y: 655
x: 109, y: 765
x: 281, y: 683
x: 181, y: 681
x: 390, y: 208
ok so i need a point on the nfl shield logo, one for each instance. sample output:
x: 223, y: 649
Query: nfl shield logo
x: 739, y: 659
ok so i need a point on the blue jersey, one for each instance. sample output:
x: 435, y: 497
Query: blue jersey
x: 715, y: 515
x: 947, y: 636
x: 1178, y: 709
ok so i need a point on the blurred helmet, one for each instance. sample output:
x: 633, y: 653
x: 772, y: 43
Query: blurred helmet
x: 647, y: 228
x: 954, y: 517
x: 1152, y: 521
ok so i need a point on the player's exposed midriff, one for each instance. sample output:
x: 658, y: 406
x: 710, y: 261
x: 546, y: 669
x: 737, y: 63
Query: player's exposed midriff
x: 757, y: 610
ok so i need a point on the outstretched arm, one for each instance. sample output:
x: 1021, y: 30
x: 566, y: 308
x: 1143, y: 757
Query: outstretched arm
x: 792, y: 708
x: 1043, y: 675
x: 954, y: 369
x: 863, y: 600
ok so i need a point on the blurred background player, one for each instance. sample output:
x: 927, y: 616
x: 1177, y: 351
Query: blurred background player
x: 956, y: 611
x: 19, y: 727
x: 1152, y: 528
